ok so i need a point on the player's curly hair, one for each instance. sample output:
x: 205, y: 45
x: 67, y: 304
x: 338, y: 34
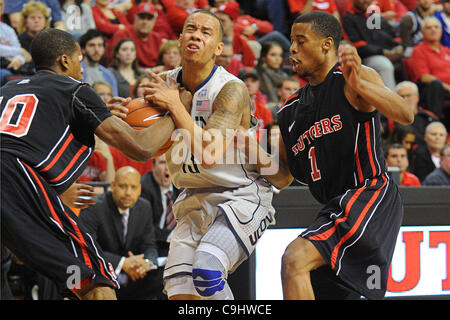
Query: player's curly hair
x: 48, y: 45
x: 324, y: 24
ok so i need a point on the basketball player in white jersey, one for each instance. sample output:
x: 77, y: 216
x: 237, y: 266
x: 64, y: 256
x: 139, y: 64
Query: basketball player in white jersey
x: 225, y: 207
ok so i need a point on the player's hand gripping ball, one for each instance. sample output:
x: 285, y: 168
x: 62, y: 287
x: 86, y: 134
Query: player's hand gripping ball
x: 143, y: 114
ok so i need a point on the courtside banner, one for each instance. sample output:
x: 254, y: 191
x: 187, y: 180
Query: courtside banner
x: 420, y: 265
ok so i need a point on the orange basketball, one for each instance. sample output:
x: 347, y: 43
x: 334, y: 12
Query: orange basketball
x: 143, y: 114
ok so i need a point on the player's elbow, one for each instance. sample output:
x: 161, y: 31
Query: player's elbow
x: 407, y: 115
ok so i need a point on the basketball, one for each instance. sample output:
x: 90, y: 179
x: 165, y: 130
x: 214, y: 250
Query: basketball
x: 143, y: 114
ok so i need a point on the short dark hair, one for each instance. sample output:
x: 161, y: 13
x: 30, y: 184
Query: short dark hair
x: 89, y: 35
x: 324, y: 24
x: 395, y: 146
x: 222, y: 31
x: 48, y: 45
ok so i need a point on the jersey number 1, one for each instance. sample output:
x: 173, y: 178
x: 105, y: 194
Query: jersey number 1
x: 17, y: 115
x: 315, y: 172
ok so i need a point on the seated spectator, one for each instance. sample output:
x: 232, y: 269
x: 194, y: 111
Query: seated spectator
x: 162, y: 24
x: 108, y: 21
x: 147, y: 41
x: 121, y: 223
x: 426, y: 159
x: 397, y: 156
x: 35, y: 18
x: 404, y: 135
x: 377, y: 47
x: 270, y: 70
x: 297, y: 7
x: 178, y: 10
x: 13, y: 8
x: 422, y: 117
x: 287, y: 87
x: 92, y: 45
x: 444, y: 18
x: 431, y: 63
x: 440, y: 176
x: 137, y: 91
x: 124, y: 66
x: 411, y: 24
x: 257, y: 30
x: 77, y: 17
x: 12, y: 55
x: 169, y: 57
x: 104, y: 90
x: 245, y: 50
x: 158, y: 189
x: 258, y: 109
x: 386, y: 8
x: 227, y: 58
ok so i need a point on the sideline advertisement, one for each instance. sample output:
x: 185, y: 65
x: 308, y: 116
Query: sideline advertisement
x: 420, y: 265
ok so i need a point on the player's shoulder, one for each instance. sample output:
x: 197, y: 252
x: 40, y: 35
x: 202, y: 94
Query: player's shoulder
x: 292, y: 100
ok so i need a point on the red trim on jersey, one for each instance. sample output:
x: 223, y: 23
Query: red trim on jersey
x: 52, y: 210
x: 58, y: 155
x: 71, y: 163
x: 358, y: 166
x: 369, y: 148
x: 356, y: 225
x: 287, y: 100
x: 81, y: 240
x: 56, y: 217
x: 326, y: 234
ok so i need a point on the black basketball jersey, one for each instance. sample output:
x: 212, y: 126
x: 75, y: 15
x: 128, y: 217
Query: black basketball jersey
x: 330, y: 146
x: 48, y: 121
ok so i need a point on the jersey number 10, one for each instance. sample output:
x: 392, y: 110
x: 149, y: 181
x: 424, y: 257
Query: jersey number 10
x: 18, y: 114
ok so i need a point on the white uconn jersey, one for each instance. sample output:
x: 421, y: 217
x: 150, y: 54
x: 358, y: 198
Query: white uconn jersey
x: 188, y: 173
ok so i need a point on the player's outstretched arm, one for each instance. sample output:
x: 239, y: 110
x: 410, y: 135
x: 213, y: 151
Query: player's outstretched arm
x: 273, y: 167
x: 139, y: 145
x: 366, y: 91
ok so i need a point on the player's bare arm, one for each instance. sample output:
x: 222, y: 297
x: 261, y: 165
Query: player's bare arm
x: 139, y: 145
x: 228, y: 109
x: 366, y: 91
x: 281, y: 177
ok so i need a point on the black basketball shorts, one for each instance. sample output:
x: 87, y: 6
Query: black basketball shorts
x: 356, y: 234
x: 44, y: 233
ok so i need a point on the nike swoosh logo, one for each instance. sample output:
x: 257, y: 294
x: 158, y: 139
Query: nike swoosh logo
x: 290, y: 127
x: 155, y: 116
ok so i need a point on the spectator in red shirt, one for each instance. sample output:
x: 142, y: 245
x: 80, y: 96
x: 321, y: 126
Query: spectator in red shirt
x: 147, y: 40
x: 431, y: 62
x: 178, y: 10
x: 397, y: 156
x: 162, y: 24
x: 297, y: 7
x: 108, y: 21
x: 227, y: 59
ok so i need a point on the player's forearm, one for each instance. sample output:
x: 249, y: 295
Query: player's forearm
x: 139, y: 145
x: 386, y: 101
x: 269, y: 166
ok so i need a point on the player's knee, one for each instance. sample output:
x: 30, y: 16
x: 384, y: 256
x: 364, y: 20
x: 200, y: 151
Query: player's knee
x: 294, y: 260
x: 208, y: 274
x: 208, y: 282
